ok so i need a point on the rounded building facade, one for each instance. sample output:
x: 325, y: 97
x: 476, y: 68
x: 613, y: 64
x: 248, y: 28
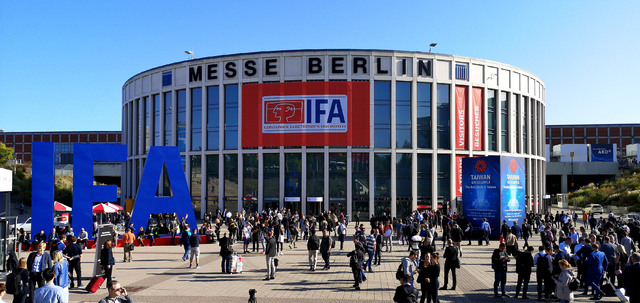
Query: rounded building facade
x: 352, y: 131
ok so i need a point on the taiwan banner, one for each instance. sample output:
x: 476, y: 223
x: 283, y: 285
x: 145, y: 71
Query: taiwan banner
x: 481, y: 191
x: 477, y: 117
x: 512, y: 183
x: 461, y: 117
x: 305, y: 114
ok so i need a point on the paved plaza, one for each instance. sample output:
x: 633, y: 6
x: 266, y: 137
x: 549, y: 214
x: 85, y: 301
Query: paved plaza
x: 158, y: 274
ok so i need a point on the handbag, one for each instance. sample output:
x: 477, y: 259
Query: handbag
x: 458, y: 263
x: 132, y: 246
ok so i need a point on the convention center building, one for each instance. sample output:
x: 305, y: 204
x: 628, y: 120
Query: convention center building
x: 353, y: 131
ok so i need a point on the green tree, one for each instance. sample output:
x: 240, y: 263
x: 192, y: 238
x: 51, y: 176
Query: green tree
x: 6, y: 154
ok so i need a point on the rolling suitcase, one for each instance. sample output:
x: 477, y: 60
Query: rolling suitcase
x: 236, y: 264
x: 95, y: 284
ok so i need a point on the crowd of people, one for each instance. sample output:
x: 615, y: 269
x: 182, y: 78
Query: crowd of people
x: 590, y: 257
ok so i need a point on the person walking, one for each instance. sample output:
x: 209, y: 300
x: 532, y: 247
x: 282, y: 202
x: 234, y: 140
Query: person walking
x: 313, y: 244
x: 226, y: 250
x: 61, y: 270
x: 194, y: 242
x: 596, y: 263
x: 107, y: 261
x: 184, y: 241
x: 37, y: 262
x: 73, y: 252
x: 371, y: 249
x: 486, y: 231
x: 20, y: 295
x: 342, y: 231
x: 377, y: 257
x: 468, y: 233
x: 499, y: 261
x: 562, y: 282
x: 631, y: 278
x: 127, y: 244
x: 409, y: 265
x: 526, y: 233
x: 325, y: 249
x: 456, y: 237
x: 428, y: 274
x: 451, y: 263
x: 524, y: 263
x: 356, y: 257
x: 544, y: 266
x: 49, y: 292
x: 270, y: 254
x: 405, y: 293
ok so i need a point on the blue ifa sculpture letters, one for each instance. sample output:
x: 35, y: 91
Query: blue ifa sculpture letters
x: 85, y: 193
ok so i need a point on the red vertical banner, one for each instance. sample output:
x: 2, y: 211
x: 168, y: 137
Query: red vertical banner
x: 477, y: 117
x: 461, y: 117
x: 459, y: 174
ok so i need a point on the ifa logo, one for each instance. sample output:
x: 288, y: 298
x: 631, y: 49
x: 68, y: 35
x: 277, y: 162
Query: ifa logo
x: 304, y: 114
x: 481, y: 166
x: 513, y: 165
x: 284, y: 111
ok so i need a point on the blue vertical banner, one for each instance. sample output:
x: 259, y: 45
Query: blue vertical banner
x: 481, y: 191
x: 42, y: 187
x: 512, y: 183
x: 602, y: 153
x: 84, y: 192
x: 493, y: 188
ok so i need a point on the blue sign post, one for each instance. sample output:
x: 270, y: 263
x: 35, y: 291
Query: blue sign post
x: 493, y: 188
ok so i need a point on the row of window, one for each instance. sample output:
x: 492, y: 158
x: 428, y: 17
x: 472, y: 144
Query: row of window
x: 145, y: 116
x: 315, y: 180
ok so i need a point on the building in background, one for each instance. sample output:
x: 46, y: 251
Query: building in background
x: 369, y: 131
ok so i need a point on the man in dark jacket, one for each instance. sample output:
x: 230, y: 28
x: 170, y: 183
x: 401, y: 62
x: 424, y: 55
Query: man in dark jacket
x: 37, y: 262
x: 225, y: 252
x: 313, y: 244
x: 526, y: 233
x: 499, y: 261
x: 451, y: 263
x: 516, y: 230
x: 325, y: 249
x: 524, y: 263
x: 456, y: 237
x: 194, y: 241
x: 504, y: 229
x: 405, y: 293
x: 632, y: 279
x: 270, y: 253
x: 355, y: 262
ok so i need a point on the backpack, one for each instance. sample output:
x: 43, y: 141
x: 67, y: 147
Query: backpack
x: 400, y: 271
x: 542, y: 263
x: 14, y: 283
x: 574, y: 284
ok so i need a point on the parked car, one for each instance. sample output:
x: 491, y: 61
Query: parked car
x: 26, y: 225
x: 61, y: 221
x: 593, y: 208
x: 627, y: 217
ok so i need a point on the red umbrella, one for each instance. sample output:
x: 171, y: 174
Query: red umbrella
x: 57, y: 206
x: 103, y: 208
x: 115, y: 206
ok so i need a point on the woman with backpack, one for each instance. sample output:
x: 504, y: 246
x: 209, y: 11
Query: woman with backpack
x: 563, y: 292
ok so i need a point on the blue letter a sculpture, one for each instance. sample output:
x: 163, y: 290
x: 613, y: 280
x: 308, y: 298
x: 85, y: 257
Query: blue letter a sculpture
x: 148, y: 203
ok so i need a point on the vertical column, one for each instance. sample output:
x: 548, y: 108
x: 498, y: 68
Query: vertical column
x: 326, y: 179
x: 372, y: 183
x: 349, y: 184
x: 281, y: 177
x: 240, y: 181
x: 303, y: 180
x: 260, y: 180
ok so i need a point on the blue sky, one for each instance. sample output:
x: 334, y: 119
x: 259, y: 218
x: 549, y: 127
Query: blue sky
x: 62, y: 64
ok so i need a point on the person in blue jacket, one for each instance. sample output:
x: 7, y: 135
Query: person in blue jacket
x: 184, y: 241
x: 596, y: 262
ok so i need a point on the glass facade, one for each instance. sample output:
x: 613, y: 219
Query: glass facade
x: 168, y: 121
x: 271, y: 179
x: 444, y: 109
x: 231, y: 116
x: 403, y: 115
x: 411, y: 163
x: 360, y: 184
x: 504, y: 121
x: 231, y: 182
x: 382, y: 114
x: 424, y: 115
x: 250, y: 182
x: 293, y: 181
x: 213, y: 182
x: 196, y: 119
x: 403, y: 185
x: 424, y: 180
x: 382, y: 183
x: 315, y: 183
x: 181, y: 127
x: 213, y: 118
x: 196, y: 184
x: 338, y: 183
x: 492, y: 120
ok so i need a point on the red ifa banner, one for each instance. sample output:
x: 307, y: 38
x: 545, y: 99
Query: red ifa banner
x: 305, y: 114
x: 459, y: 174
x: 478, y: 118
x: 461, y: 117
